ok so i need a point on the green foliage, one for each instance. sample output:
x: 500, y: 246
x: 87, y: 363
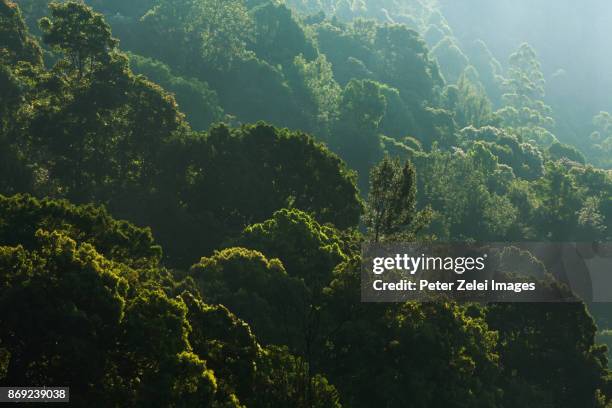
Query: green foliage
x: 355, y: 134
x: 264, y: 176
x: 279, y: 37
x: 133, y: 8
x: 290, y: 383
x: 525, y: 356
x: 602, y: 138
x: 308, y: 250
x: 314, y: 83
x: 407, y: 65
x: 450, y: 58
x: 22, y: 215
x: 15, y: 42
x: 212, y: 30
x: 230, y: 347
x: 460, y: 188
x: 391, y: 209
x: 61, y: 285
x: 468, y: 100
x: 408, y: 345
x: 258, y: 290
x: 129, y: 342
x: 398, y: 118
x: 80, y: 34
x: 525, y: 159
x: 559, y: 151
x: 560, y: 203
x: 525, y: 109
x: 195, y: 98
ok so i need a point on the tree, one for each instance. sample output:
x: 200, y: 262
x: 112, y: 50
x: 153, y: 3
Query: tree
x: 15, y: 40
x: 405, y: 63
x: 111, y: 326
x: 160, y: 365
x: 230, y: 347
x: 285, y: 381
x: 258, y: 290
x: 80, y: 33
x: 408, y: 346
x: 66, y: 302
x: 22, y: 215
x: 214, y: 32
x: 315, y: 84
x: 601, y: 138
x: 261, y: 176
x: 355, y: 135
x: 134, y: 8
x: 451, y: 59
x: 525, y: 109
x: 262, y: 377
x: 74, y: 320
x: 537, y: 337
x: 561, y: 202
x: 391, y: 209
x: 308, y: 250
x: 196, y: 99
x: 468, y: 100
x: 459, y: 189
x: 560, y: 151
x: 279, y: 37
x: 310, y: 253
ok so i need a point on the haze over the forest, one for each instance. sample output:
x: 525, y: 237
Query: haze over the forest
x: 186, y: 186
x: 571, y: 38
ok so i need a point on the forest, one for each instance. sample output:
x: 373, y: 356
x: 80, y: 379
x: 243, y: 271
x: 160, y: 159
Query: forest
x: 186, y: 185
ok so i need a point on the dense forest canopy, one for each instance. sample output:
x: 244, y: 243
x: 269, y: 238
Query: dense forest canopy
x: 185, y: 186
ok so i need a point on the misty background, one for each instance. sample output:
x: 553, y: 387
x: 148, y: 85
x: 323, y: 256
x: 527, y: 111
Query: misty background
x: 570, y: 37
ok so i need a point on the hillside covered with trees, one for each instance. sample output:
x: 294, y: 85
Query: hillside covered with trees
x: 185, y: 186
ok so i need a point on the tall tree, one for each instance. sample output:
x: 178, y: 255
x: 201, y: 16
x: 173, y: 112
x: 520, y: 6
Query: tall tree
x: 525, y: 109
x: 391, y: 208
x: 80, y: 34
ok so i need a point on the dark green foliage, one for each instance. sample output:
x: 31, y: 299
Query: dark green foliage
x: 15, y: 42
x: 76, y: 317
x: 561, y: 202
x: 66, y: 302
x: 526, y: 357
x: 355, y: 136
x: 256, y: 289
x: 101, y: 134
x: 285, y: 382
x: 391, y: 209
x: 525, y: 159
x: 214, y: 31
x: 195, y: 98
x: 308, y: 250
x: 279, y: 37
x: 408, y: 346
x: 559, y: 151
x: 468, y: 100
x: 22, y: 215
x: 461, y: 189
x: 406, y: 65
x: 265, y: 169
x: 231, y: 348
x: 80, y: 34
x: 255, y: 90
